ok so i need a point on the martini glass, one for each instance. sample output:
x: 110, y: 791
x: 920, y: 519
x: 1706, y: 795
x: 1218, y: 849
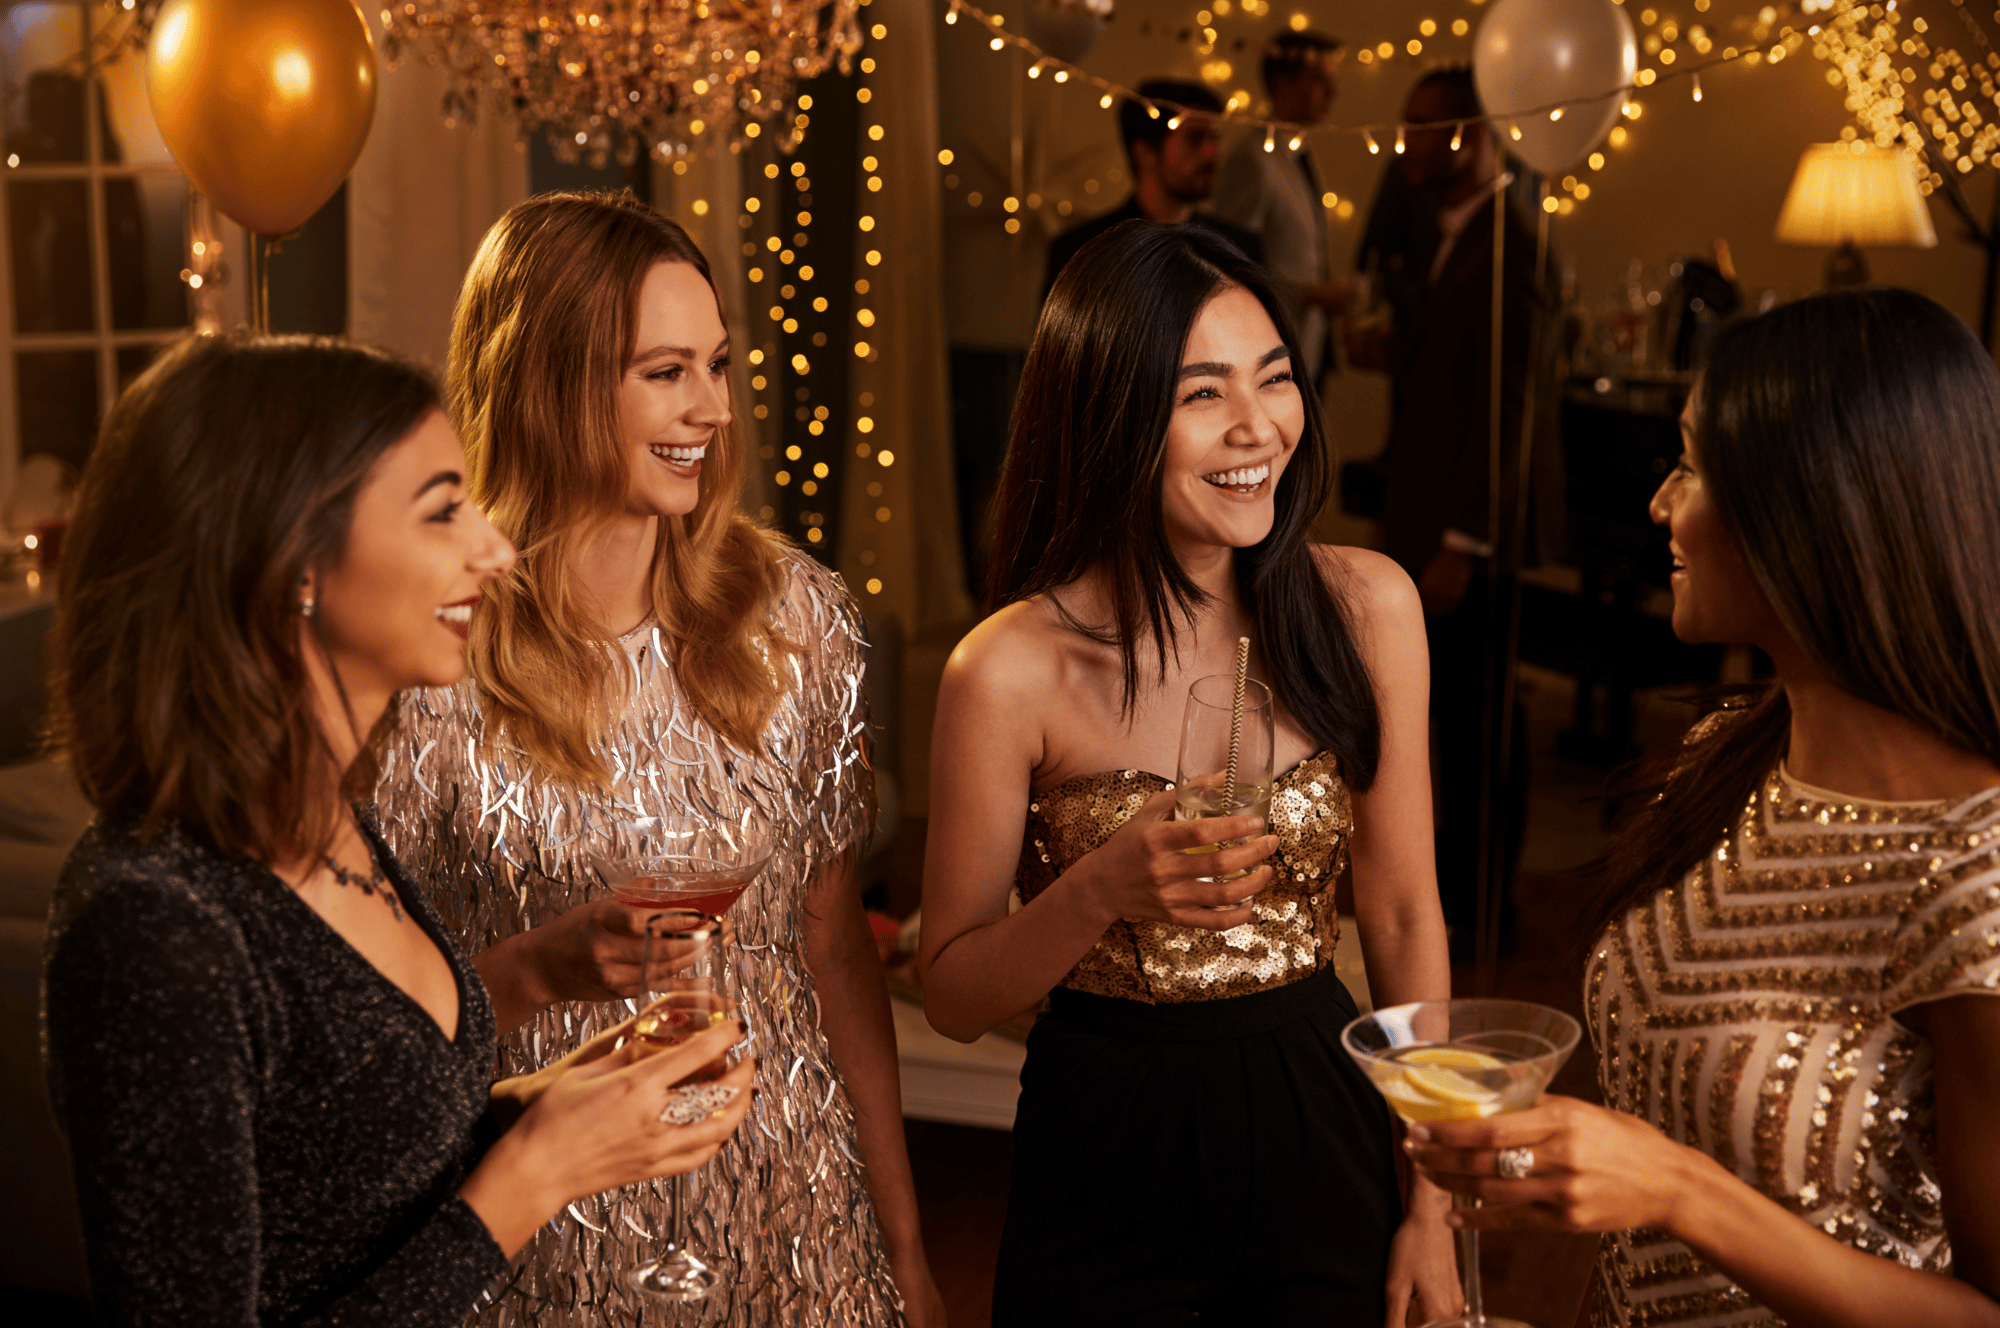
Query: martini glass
x: 678, y: 963
x: 686, y: 862
x: 1462, y: 1060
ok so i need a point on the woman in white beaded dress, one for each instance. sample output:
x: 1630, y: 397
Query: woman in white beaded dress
x: 657, y: 654
x: 1792, y: 989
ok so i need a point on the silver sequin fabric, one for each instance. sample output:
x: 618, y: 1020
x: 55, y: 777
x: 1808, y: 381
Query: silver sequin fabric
x: 1750, y: 1010
x: 507, y: 849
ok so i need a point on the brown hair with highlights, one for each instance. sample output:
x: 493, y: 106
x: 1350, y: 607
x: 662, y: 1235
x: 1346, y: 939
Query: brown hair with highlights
x: 177, y: 663
x: 543, y: 331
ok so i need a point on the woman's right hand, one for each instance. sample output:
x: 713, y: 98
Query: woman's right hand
x: 598, y: 1127
x: 589, y: 953
x: 1145, y: 871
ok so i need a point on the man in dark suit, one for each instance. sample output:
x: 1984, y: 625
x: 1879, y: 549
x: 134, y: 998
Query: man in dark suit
x: 1435, y: 517
x: 1173, y: 168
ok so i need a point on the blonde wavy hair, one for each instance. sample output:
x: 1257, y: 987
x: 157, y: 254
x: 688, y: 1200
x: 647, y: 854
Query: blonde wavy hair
x: 539, y: 343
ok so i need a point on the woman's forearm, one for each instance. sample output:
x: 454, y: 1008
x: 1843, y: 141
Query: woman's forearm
x: 1403, y: 946
x: 506, y: 1192
x: 1804, y: 1275
x: 861, y: 1035
x: 513, y: 981
x: 991, y: 973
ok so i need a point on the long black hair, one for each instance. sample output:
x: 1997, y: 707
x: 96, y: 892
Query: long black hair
x: 1850, y: 443
x: 1081, y: 490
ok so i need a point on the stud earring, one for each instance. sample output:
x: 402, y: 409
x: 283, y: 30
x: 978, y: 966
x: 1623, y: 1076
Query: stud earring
x: 306, y: 608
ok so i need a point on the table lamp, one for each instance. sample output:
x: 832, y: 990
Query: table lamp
x: 1853, y: 194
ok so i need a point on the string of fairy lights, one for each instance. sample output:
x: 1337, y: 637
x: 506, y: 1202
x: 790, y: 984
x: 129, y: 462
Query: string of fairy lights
x: 777, y: 218
x: 1928, y: 100
x: 1858, y: 39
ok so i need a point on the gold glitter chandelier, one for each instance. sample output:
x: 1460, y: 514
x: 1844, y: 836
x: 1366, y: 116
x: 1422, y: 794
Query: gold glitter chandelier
x: 601, y: 78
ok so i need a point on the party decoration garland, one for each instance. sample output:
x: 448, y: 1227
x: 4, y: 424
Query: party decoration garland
x: 997, y: 37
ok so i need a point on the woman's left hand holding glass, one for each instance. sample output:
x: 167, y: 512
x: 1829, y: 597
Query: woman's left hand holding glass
x: 1579, y: 1168
x: 1423, y: 1261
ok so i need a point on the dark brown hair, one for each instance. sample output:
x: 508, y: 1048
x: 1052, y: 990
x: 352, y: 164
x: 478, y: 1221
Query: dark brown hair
x: 539, y: 343
x: 1081, y: 490
x: 178, y: 683
x: 1850, y: 443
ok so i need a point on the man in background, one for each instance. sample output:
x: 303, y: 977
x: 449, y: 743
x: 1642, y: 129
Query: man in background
x: 1435, y: 518
x: 1173, y: 168
x: 1278, y: 195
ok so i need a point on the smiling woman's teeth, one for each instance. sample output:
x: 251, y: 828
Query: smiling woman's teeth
x: 680, y: 455
x: 455, y: 613
x: 1248, y: 478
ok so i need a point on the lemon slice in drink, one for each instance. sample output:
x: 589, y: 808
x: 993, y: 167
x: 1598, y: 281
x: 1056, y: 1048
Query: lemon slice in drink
x: 1430, y: 1087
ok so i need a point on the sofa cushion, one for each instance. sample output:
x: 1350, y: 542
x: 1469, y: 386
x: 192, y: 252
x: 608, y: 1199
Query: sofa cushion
x: 41, y: 804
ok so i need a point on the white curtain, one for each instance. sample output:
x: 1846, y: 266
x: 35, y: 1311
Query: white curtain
x: 419, y: 201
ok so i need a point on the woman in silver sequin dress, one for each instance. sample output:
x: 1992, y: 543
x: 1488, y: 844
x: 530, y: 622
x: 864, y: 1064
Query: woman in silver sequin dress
x: 1191, y: 1145
x: 656, y: 654
x: 1792, y: 991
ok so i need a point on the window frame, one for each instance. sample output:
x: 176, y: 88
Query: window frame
x: 104, y: 340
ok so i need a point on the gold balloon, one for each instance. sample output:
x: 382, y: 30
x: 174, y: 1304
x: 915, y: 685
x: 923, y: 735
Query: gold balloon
x: 264, y: 103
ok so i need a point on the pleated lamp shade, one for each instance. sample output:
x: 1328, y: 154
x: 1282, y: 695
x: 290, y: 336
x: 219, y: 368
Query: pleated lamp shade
x: 1855, y: 193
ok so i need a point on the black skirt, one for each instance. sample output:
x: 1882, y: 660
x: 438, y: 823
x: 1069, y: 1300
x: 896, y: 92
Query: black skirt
x: 1213, y: 1162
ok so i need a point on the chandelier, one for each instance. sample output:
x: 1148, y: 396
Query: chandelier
x: 604, y: 78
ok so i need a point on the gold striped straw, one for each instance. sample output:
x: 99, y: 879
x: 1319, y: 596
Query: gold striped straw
x: 1235, y: 725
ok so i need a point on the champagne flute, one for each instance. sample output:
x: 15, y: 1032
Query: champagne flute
x: 1462, y: 1060
x: 678, y: 961
x: 1201, y: 781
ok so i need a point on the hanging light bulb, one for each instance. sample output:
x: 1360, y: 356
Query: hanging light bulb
x: 1374, y: 148
x: 1556, y: 114
x: 1173, y: 124
x: 1270, y: 140
x: 1399, y: 140
x: 1514, y: 130
x: 1457, y: 137
x: 952, y: 16
x: 1035, y: 69
x: 1105, y: 101
x: 1296, y: 143
x: 1697, y: 87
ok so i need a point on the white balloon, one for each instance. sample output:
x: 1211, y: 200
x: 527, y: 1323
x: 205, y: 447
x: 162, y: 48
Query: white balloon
x: 1535, y: 53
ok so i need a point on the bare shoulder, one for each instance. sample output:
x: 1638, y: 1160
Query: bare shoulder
x: 1009, y: 662
x: 1375, y: 587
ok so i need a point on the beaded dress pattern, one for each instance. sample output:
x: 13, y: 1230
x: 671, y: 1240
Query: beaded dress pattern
x: 507, y: 849
x: 1293, y: 926
x: 1750, y: 1012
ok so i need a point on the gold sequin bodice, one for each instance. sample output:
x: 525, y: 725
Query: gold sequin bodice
x: 1749, y: 1012
x: 1293, y: 927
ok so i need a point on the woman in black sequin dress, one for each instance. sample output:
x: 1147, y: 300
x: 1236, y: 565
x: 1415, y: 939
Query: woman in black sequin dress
x: 272, y: 1065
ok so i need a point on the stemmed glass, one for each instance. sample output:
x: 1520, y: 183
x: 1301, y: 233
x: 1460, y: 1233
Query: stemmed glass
x: 678, y: 962
x: 688, y: 862
x: 1200, y: 781
x: 1462, y: 1060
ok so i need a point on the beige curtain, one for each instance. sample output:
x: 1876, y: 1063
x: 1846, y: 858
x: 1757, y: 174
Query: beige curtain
x: 904, y: 535
x: 419, y: 201
x: 714, y: 183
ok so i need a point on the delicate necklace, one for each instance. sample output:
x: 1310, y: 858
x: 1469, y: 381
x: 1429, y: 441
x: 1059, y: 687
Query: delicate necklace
x: 376, y: 882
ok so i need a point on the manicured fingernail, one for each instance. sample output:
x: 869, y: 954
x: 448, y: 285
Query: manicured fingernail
x: 1419, y: 1134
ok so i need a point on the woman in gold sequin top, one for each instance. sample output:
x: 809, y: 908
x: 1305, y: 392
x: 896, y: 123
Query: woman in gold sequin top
x: 658, y: 654
x: 1792, y: 991
x: 1191, y: 1144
